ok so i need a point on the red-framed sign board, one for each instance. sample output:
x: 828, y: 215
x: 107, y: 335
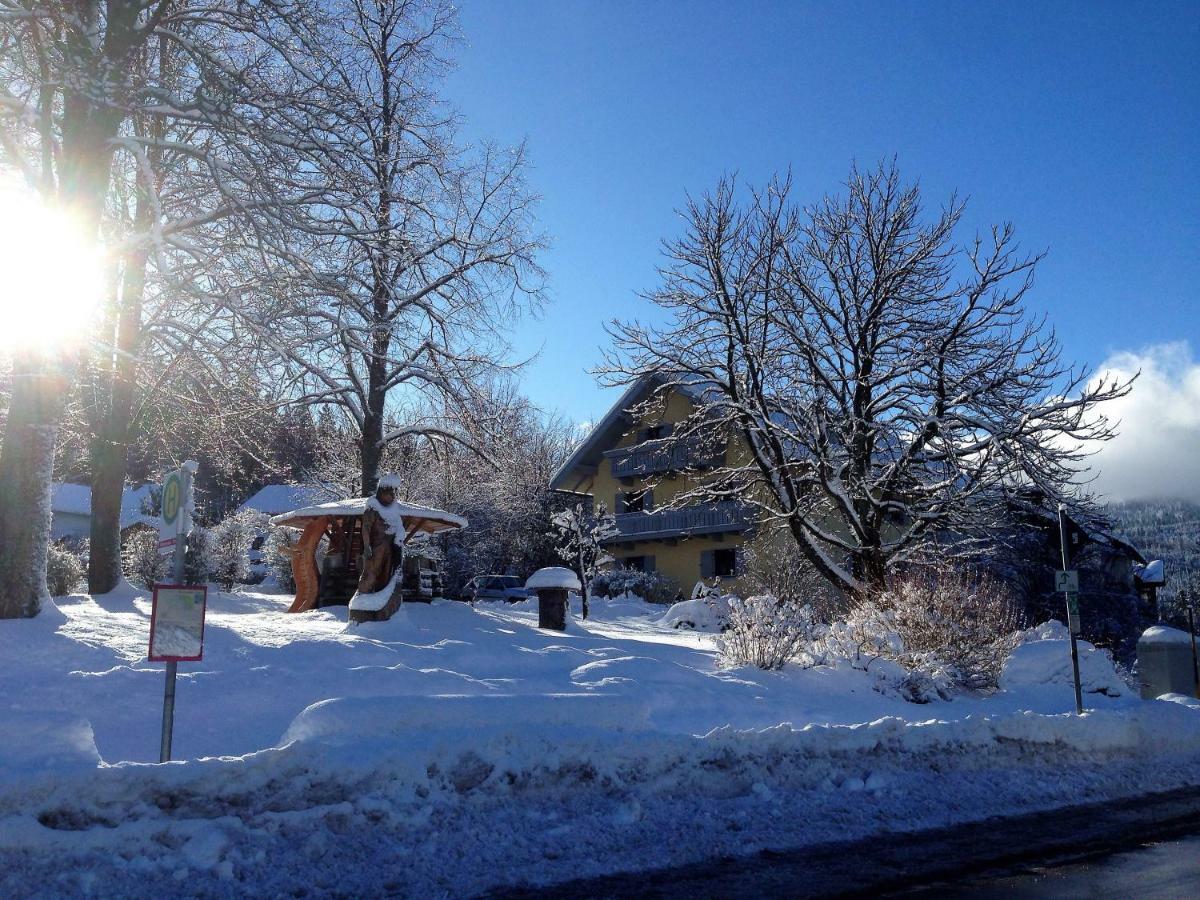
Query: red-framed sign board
x: 177, y: 623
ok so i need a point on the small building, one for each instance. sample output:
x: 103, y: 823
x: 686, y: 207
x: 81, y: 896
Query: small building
x: 327, y: 561
x: 71, y: 510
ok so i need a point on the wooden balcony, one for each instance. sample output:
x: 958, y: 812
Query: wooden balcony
x: 727, y: 517
x: 660, y: 457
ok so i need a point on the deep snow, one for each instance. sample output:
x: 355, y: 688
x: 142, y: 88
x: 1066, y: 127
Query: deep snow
x: 457, y: 748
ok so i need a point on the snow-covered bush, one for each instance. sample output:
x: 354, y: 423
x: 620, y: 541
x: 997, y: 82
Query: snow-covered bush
x: 945, y: 629
x: 766, y: 632
x: 777, y: 567
x: 195, y: 557
x: 144, y: 566
x: 64, y: 569
x: 709, y: 612
x: 277, y: 553
x: 969, y: 622
x: 650, y: 586
x: 228, y: 550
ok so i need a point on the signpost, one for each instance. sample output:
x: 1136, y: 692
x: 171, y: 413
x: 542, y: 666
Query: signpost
x: 1067, y: 581
x: 177, y: 617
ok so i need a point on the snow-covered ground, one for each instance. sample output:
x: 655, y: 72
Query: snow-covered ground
x: 454, y: 749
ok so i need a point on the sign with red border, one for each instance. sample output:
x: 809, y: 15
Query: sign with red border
x: 177, y: 623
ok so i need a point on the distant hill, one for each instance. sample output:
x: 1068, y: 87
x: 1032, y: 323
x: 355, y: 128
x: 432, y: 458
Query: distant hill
x: 1163, y: 529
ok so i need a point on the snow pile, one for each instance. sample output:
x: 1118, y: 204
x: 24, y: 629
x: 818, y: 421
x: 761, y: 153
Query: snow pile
x: 1043, y: 662
x: 376, y: 600
x: 1164, y: 634
x: 553, y: 577
x: 45, y: 745
x: 709, y: 614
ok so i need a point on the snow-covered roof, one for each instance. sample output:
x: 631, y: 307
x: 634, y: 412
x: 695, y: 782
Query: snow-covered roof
x: 606, y: 432
x: 1152, y: 572
x: 76, y: 500
x: 424, y: 518
x: 73, y: 499
x: 274, y: 499
x: 553, y: 577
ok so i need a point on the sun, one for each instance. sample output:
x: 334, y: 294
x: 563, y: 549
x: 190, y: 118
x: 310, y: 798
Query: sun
x: 51, y: 275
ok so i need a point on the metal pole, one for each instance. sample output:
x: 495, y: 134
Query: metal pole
x: 168, y: 723
x: 177, y: 565
x: 1066, y: 558
x: 1195, y: 663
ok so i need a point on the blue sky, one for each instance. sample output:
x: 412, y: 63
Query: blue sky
x: 1080, y: 123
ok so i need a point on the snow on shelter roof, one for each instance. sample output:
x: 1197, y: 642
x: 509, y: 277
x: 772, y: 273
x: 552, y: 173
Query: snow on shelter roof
x: 416, y: 517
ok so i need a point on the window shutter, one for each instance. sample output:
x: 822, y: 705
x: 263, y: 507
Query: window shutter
x: 708, y: 564
x: 739, y: 562
x: 649, y: 564
x: 648, y: 501
x: 668, y: 429
x: 619, y: 503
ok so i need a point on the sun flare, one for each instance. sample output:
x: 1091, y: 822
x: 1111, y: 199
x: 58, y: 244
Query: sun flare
x: 51, y: 274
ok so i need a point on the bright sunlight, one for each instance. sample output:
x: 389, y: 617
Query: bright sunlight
x: 50, y: 274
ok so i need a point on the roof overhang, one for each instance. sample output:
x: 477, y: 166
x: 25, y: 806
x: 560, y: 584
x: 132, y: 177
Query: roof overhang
x: 417, y: 519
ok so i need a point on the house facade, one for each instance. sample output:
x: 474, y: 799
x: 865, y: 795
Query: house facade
x: 626, y: 464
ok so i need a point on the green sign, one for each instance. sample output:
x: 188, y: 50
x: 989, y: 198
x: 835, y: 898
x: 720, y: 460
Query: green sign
x: 172, y: 498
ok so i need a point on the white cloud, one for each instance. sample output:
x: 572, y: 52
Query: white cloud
x: 1157, y: 453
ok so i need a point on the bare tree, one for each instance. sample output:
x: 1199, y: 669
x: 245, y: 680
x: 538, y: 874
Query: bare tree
x: 430, y: 251
x: 886, y: 381
x: 581, y: 536
x: 159, y: 123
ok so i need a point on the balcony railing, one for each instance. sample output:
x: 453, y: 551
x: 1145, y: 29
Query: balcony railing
x: 702, y: 518
x: 656, y: 457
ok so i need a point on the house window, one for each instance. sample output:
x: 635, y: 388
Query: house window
x: 655, y: 432
x: 638, y: 563
x: 723, y: 563
x: 635, y: 501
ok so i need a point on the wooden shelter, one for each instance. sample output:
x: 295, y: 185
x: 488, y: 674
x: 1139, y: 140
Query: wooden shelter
x: 335, y: 580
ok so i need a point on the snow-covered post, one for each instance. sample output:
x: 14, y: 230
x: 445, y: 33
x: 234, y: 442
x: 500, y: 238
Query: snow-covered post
x: 552, y: 585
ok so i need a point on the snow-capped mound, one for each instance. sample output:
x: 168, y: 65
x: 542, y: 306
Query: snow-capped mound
x: 708, y: 614
x: 1047, y: 662
x: 553, y: 577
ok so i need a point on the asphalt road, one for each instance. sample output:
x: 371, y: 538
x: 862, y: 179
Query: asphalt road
x: 1163, y: 871
x: 1056, y: 852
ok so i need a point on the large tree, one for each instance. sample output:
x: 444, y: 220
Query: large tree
x: 885, y: 379
x: 172, y: 127
x: 430, y: 249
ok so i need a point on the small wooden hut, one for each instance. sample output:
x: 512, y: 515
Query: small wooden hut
x: 334, y: 581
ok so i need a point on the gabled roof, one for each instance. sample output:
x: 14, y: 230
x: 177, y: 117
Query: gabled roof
x: 604, y: 434
x: 274, y: 499
x: 76, y: 500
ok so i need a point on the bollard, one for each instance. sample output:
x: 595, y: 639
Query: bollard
x: 552, y: 586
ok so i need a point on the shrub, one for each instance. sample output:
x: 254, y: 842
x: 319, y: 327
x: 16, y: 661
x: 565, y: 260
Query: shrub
x: 650, y: 586
x: 64, y: 570
x: 968, y: 622
x: 228, y: 550
x: 777, y: 567
x: 277, y: 553
x: 141, y: 561
x: 766, y: 632
x: 947, y: 629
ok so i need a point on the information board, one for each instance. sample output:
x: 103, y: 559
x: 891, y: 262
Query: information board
x: 177, y: 623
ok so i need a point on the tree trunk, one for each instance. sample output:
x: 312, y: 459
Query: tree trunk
x: 26, y: 472
x: 371, y: 452
x: 110, y: 439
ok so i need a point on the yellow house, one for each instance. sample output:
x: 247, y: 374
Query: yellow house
x: 625, y: 464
